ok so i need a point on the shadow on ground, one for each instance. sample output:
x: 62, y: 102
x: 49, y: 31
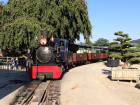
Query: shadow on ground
x: 10, y: 83
x: 105, y: 63
x: 137, y: 86
x: 107, y: 72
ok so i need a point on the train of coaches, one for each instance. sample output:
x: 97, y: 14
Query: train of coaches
x: 53, y: 56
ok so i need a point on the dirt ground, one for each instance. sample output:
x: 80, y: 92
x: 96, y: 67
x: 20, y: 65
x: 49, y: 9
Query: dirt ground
x: 91, y: 85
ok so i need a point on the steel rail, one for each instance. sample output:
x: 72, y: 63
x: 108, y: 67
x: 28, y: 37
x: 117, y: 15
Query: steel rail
x: 46, y: 95
x: 24, y: 95
x: 40, y: 94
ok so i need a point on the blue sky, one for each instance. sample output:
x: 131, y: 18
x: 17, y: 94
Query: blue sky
x: 109, y: 16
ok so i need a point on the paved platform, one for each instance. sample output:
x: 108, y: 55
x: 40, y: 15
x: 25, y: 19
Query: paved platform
x: 91, y: 85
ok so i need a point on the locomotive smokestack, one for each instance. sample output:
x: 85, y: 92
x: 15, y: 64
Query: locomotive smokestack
x: 44, y: 33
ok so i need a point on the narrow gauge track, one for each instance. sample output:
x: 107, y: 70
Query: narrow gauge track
x: 33, y: 93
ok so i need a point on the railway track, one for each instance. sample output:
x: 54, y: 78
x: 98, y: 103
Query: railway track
x: 33, y: 93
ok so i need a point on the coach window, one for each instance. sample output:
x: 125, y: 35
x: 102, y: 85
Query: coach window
x: 61, y: 44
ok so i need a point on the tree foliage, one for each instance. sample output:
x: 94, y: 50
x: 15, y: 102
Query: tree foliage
x: 123, y: 49
x: 101, y: 42
x: 89, y: 43
x: 21, y: 20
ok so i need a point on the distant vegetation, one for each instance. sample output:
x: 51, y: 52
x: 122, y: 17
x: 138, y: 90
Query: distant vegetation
x: 99, y: 42
x: 136, y: 41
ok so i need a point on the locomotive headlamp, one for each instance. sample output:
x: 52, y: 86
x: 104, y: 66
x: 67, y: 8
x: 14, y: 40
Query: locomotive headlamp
x: 43, y: 41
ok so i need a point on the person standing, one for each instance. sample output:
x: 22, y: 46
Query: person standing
x: 12, y: 63
x: 16, y: 62
x: 28, y: 58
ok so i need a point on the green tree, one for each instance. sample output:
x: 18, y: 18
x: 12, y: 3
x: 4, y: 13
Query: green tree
x: 89, y: 43
x: 23, y: 19
x: 1, y: 8
x: 101, y: 42
x: 124, y: 50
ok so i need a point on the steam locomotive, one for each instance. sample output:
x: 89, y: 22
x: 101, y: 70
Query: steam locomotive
x: 52, y: 57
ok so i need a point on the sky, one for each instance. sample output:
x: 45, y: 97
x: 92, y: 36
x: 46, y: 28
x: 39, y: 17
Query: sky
x: 109, y: 16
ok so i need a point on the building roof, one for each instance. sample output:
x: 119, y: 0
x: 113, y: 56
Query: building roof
x: 100, y: 47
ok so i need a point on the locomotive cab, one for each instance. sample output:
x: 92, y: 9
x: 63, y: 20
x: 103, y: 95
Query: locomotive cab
x: 66, y: 56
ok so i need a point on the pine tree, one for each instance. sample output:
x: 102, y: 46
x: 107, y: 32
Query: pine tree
x: 23, y: 19
x: 124, y: 50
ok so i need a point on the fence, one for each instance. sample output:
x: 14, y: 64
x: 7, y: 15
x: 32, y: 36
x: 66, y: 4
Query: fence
x: 12, y: 65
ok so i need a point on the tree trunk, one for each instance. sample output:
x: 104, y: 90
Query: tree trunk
x: 126, y: 65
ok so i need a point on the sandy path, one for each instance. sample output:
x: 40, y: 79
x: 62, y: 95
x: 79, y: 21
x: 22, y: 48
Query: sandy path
x: 89, y: 85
